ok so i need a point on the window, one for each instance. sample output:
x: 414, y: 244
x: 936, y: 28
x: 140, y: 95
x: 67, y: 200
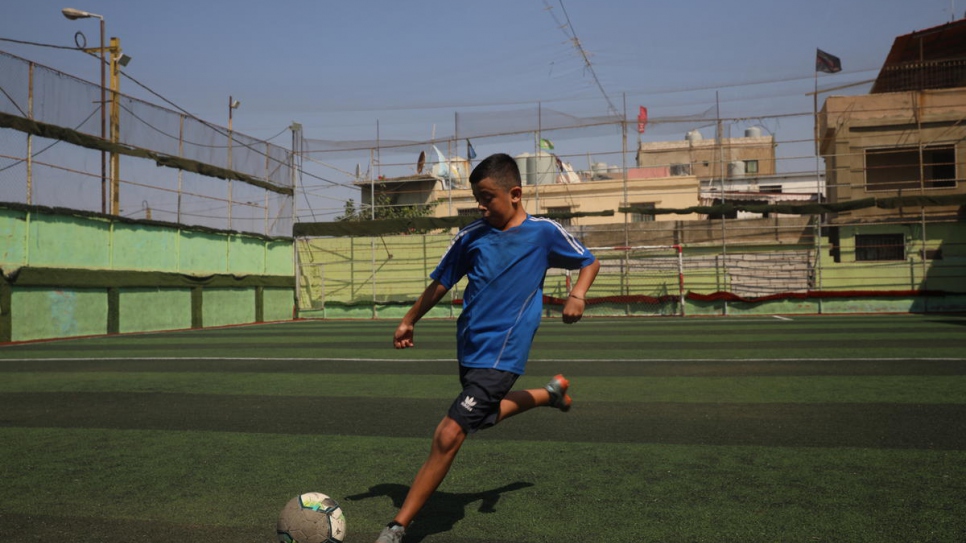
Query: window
x: 835, y: 244
x: 870, y: 247
x: 770, y: 189
x: 468, y: 211
x: 899, y: 168
x: 643, y: 215
x: 680, y: 169
x: 559, y: 211
x: 751, y: 166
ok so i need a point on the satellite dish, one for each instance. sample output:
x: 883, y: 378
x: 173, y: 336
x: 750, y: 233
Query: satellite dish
x: 421, y: 162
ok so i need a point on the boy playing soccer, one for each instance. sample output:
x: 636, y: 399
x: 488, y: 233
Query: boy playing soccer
x: 505, y: 256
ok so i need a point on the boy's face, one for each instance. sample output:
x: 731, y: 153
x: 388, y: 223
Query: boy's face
x: 497, y: 204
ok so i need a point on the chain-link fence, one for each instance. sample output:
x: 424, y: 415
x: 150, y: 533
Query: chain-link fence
x: 61, y: 147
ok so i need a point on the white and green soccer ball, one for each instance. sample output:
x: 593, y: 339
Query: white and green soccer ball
x: 312, y: 517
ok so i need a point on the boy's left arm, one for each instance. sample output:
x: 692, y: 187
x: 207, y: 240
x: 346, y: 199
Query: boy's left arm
x: 576, y: 302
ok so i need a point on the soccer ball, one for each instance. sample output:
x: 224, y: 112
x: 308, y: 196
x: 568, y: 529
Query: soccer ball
x: 312, y: 517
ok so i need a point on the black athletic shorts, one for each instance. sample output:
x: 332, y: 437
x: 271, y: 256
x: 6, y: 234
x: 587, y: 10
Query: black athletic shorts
x: 478, y: 405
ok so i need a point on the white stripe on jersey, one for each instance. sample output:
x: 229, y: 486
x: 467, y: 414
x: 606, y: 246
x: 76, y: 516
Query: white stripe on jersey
x: 464, y: 231
x: 580, y: 249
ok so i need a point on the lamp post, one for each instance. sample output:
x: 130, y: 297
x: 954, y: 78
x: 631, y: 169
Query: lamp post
x: 74, y: 14
x: 115, y: 60
x: 232, y: 105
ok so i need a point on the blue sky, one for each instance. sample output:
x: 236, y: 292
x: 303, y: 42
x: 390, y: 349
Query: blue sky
x: 338, y: 68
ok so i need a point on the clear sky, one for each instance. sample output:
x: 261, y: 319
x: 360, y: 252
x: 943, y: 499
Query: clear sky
x: 339, y: 67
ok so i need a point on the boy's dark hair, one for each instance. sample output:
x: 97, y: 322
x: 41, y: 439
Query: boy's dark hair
x: 501, y: 168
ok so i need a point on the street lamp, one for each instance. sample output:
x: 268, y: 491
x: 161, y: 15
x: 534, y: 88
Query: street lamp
x: 232, y: 104
x: 73, y: 15
x: 116, y: 59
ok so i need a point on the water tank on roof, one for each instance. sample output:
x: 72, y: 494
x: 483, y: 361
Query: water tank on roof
x: 599, y: 170
x: 544, y: 169
x: 693, y: 135
x: 753, y: 132
x: 523, y: 162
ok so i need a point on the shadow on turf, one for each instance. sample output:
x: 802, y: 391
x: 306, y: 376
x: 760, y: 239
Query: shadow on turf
x: 959, y: 322
x: 443, y: 510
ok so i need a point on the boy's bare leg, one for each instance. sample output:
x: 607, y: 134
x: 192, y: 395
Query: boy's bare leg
x: 518, y: 401
x: 447, y: 440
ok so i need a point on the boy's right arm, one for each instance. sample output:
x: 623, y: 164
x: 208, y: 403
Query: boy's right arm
x: 403, y: 337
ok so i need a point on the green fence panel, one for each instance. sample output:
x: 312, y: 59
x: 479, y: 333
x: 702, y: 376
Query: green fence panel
x: 41, y: 313
x: 13, y: 236
x: 278, y: 304
x: 203, y: 253
x: 149, y: 309
x: 145, y: 247
x: 279, y: 258
x: 246, y: 255
x: 225, y: 306
x: 62, y: 241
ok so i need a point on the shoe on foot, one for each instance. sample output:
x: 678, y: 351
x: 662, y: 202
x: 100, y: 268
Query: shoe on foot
x: 391, y: 534
x: 557, y: 387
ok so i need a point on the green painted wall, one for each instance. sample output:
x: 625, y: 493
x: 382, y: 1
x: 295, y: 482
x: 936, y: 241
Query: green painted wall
x: 13, y: 235
x: 40, y: 313
x: 60, y: 241
x: 75, y: 260
x: 225, y: 306
x: 143, y: 247
x: 246, y: 255
x: 279, y: 258
x: 145, y: 309
x: 947, y: 273
x: 203, y: 252
x: 278, y: 304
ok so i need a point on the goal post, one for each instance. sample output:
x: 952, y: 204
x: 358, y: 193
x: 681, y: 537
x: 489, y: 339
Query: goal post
x: 638, y: 280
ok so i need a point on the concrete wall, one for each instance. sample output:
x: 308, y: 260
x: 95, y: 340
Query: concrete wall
x: 68, y: 274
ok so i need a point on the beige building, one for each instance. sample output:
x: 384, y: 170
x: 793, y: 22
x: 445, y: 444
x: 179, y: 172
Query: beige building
x: 905, y: 138
x: 591, y: 200
x: 580, y: 204
x: 706, y: 159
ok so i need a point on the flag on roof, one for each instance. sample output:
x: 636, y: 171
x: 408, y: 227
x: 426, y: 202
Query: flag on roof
x: 641, y: 120
x: 546, y: 144
x: 826, y: 62
x: 470, y: 151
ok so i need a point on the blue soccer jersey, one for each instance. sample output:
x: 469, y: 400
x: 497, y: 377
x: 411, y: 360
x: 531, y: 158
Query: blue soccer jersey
x: 504, y: 296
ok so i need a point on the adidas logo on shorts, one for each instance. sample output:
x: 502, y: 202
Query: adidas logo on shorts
x: 468, y: 403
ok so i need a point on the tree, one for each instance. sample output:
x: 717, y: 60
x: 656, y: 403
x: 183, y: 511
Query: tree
x: 385, y: 209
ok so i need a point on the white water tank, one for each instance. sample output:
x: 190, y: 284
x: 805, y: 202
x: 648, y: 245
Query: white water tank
x: 544, y: 169
x: 753, y: 132
x: 524, y: 162
x: 694, y: 135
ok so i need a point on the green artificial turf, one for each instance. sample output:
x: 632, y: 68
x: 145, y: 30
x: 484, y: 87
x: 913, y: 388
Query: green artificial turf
x: 716, y: 430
